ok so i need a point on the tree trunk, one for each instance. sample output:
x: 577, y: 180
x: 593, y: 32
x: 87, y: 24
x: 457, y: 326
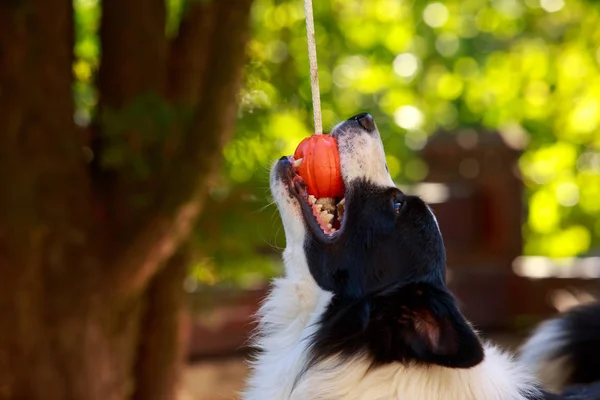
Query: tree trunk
x: 90, y: 295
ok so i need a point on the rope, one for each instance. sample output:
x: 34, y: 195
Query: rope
x: 314, y: 72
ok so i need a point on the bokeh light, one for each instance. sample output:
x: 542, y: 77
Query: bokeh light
x: 527, y: 68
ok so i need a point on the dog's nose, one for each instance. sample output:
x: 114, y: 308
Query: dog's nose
x: 366, y: 121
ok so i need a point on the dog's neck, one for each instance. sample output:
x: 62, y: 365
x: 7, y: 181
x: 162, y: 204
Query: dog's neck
x: 296, y: 266
x: 294, y: 257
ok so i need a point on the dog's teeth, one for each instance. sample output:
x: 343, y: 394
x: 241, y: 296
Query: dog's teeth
x: 342, y: 202
x: 311, y: 198
x: 328, y: 203
x: 326, y: 216
x: 298, y: 162
x: 326, y: 200
x: 333, y: 230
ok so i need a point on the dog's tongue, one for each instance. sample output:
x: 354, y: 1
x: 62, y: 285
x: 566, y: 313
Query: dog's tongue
x: 317, y: 161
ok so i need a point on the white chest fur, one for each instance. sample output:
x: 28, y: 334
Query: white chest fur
x: 496, y: 378
x: 286, y: 320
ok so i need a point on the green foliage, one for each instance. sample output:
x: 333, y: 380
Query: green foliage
x: 87, y: 58
x: 528, y: 68
x: 531, y: 72
x: 133, y: 134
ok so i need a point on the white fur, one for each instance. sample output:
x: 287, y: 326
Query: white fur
x: 496, y: 378
x: 362, y: 156
x: 434, y: 219
x: 287, y: 319
x: 288, y: 316
x: 538, y: 354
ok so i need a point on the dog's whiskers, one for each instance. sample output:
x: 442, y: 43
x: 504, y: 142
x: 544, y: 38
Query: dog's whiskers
x: 263, y: 208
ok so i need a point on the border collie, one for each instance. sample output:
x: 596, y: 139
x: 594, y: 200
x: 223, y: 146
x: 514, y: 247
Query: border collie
x: 363, y: 311
x: 564, y: 352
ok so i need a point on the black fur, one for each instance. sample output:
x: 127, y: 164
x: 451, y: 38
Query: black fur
x: 386, y: 269
x: 542, y: 395
x: 582, y: 343
x: 583, y: 392
x: 378, y: 245
x: 416, y: 323
x: 577, y: 392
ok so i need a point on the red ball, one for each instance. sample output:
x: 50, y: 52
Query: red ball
x: 320, y: 166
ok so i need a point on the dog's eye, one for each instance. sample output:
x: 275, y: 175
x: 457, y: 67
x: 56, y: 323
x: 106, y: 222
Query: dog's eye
x: 398, y: 202
x: 397, y: 206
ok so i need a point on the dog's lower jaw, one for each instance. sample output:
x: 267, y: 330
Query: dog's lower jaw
x: 296, y: 267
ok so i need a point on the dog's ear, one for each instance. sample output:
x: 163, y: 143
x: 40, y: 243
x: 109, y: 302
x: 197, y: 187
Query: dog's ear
x: 417, y: 323
x: 421, y: 323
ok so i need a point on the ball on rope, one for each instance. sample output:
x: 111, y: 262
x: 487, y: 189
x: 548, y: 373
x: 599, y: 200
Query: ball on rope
x: 317, y: 161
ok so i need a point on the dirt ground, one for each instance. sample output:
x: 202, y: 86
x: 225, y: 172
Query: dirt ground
x: 222, y: 379
x: 213, y: 379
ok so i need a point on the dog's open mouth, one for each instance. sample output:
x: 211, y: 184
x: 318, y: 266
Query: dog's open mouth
x: 324, y: 215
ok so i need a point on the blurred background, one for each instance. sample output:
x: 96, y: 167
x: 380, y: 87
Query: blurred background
x: 489, y: 109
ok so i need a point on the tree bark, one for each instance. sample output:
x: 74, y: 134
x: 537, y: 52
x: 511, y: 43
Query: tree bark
x: 164, y: 327
x: 181, y: 192
x: 88, y: 309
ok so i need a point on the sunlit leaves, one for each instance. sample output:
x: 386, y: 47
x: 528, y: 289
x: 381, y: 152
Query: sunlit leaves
x: 530, y: 68
x: 408, y: 117
x: 549, y: 162
x: 543, y: 212
x: 562, y: 243
x: 87, y: 58
x: 435, y: 14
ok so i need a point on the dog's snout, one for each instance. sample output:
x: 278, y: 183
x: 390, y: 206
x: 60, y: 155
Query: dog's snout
x: 365, y: 120
x: 282, y: 168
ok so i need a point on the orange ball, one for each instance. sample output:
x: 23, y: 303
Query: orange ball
x: 320, y: 166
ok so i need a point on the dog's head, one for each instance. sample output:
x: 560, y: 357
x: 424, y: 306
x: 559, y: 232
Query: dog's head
x: 374, y: 243
x: 378, y: 234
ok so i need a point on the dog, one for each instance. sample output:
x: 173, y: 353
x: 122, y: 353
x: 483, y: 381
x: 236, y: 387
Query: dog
x: 564, y: 352
x: 363, y: 311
